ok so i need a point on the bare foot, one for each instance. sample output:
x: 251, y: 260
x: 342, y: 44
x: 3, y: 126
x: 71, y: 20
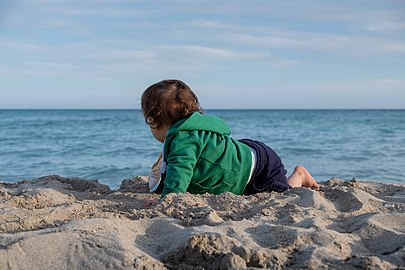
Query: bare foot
x: 307, y: 181
x: 302, y: 178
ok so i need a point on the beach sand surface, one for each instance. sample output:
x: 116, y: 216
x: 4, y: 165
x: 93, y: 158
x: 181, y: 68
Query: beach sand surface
x: 69, y: 223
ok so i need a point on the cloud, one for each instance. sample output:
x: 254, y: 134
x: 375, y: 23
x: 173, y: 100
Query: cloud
x: 211, y: 24
x: 199, y: 55
x: 101, y: 12
x: 227, y: 42
x: 201, y: 51
x: 300, y: 41
x: 50, y: 65
x: 120, y: 55
x: 383, y: 27
x: 361, y: 94
x: 22, y: 45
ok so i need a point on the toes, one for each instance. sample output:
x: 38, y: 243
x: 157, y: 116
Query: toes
x: 315, y: 186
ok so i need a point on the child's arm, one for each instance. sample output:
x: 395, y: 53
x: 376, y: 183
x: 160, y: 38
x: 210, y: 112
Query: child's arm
x: 184, y: 151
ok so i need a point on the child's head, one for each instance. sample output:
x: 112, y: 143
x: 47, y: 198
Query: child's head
x: 167, y: 101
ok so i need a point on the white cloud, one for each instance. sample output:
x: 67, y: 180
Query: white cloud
x: 120, y: 55
x: 211, y: 24
x: 103, y: 40
x: 22, y: 45
x: 113, y: 12
x: 361, y: 94
x: 384, y: 27
x: 300, y: 41
x: 219, y: 56
x: 50, y: 65
x: 199, y: 51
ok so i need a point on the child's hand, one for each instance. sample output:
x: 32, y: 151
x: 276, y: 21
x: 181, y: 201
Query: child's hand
x: 150, y: 203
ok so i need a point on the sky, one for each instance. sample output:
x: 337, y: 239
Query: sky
x: 253, y: 54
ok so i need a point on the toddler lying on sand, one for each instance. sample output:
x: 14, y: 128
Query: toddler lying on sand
x: 200, y: 156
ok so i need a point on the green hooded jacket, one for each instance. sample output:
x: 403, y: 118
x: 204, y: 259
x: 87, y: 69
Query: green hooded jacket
x: 202, y: 158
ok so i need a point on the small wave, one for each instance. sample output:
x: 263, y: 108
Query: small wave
x: 110, y: 175
x: 300, y: 151
x: 114, y: 145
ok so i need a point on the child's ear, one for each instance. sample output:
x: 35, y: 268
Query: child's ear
x: 149, y: 120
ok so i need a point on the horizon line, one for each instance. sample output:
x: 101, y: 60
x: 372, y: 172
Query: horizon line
x: 217, y: 109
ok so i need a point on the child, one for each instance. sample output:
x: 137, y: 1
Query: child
x: 199, y: 156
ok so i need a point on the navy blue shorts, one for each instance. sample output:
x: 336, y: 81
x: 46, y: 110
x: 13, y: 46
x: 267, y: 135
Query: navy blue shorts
x: 269, y: 173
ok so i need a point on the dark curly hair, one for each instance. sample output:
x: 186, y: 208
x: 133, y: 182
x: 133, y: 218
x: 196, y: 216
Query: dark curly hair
x: 168, y: 101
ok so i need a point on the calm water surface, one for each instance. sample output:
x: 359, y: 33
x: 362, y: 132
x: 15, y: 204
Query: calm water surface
x: 111, y: 145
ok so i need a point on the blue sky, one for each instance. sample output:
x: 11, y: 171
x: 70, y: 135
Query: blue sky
x: 234, y: 54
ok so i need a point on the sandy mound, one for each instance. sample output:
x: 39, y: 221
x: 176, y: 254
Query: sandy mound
x: 64, y: 223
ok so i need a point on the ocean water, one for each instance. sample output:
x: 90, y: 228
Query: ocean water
x: 112, y: 145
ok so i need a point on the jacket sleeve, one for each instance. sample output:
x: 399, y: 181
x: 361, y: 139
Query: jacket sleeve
x: 182, y: 157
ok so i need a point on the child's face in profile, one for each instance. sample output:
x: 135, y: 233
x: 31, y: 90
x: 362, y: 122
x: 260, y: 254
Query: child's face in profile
x: 160, y: 132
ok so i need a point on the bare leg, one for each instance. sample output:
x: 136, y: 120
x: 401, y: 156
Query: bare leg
x: 302, y: 178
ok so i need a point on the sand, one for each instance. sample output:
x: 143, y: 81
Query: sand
x: 70, y: 223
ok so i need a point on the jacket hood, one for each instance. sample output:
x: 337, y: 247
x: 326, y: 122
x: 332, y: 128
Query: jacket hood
x: 197, y: 121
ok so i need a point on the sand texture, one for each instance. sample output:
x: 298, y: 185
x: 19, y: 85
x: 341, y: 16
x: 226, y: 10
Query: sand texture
x: 69, y: 223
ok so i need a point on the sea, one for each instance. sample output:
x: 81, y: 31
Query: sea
x: 113, y: 145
